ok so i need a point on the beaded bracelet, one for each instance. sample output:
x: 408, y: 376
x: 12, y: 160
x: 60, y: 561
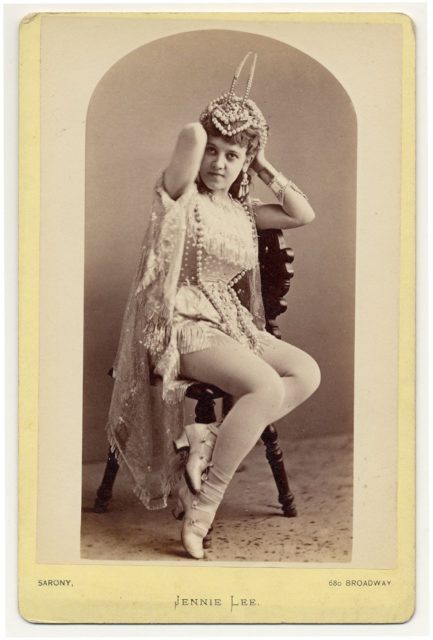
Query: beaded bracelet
x: 280, y: 183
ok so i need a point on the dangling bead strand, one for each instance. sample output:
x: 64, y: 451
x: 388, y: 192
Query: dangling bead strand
x: 199, y: 270
x: 239, y: 307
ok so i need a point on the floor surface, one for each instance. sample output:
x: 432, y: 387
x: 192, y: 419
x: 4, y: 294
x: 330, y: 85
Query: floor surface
x: 249, y: 524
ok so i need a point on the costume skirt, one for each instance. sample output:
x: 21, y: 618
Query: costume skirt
x: 197, y: 325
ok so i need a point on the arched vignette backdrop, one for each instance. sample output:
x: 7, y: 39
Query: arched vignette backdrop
x: 134, y: 116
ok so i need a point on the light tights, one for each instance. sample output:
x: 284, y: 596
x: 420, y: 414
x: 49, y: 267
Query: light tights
x: 265, y: 389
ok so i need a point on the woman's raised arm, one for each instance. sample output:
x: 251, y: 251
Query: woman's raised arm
x: 185, y: 162
x: 293, y: 209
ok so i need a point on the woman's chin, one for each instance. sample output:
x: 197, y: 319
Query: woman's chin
x: 213, y: 184
x: 211, y: 188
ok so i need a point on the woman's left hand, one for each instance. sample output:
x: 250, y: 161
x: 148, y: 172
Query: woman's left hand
x: 259, y: 161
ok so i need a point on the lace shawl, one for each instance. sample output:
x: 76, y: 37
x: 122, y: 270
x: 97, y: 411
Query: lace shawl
x: 141, y: 424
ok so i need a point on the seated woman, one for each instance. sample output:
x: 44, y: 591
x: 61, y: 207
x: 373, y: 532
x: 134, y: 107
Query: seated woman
x: 184, y: 320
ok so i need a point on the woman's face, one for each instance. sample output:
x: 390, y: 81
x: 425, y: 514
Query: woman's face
x: 221, y: 164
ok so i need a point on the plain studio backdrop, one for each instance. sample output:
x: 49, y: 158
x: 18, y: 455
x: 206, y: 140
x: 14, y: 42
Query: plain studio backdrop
x: 134, y: 117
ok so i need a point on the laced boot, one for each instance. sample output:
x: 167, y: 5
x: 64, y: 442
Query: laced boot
x: 199, y: 439
x: 184, y: 501
x: 197, y: 523
x: 200, y: 511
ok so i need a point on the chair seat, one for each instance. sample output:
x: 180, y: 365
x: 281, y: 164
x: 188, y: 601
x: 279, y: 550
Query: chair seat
x: 201, y: 391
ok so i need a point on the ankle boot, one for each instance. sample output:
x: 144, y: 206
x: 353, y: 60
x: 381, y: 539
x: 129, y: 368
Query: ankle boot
x: 183, y: 503
x: 200, y: 510
x: 199, y: 439
x: 197, y: 521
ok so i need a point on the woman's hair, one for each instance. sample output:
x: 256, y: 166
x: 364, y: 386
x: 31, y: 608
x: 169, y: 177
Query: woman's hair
x: 249, y: 139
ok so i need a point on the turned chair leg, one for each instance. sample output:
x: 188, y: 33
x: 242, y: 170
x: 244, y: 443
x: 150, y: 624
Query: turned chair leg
x: 274, y: 456
x: 105, y: 491
x: 205, y: 411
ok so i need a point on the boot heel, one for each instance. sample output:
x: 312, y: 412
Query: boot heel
x: 181, y: 503
x: 207, y: 540
x: 181, y: 443
x: 178, y: 512
x: 194, y: 490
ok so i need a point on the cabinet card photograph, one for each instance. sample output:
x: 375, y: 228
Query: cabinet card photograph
x: 217, y: 317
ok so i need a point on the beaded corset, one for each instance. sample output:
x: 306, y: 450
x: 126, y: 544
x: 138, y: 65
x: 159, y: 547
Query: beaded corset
x: 219, y: 249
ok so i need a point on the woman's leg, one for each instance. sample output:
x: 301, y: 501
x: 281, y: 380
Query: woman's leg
x: 259, y: 393
x: 264, y: 389
x: 257, y: 389
x: 262, y: 394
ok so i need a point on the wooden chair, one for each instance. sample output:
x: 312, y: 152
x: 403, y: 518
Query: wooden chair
x: 276, y: 273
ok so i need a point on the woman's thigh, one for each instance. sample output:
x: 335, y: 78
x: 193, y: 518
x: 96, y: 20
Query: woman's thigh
x: 231, y: 367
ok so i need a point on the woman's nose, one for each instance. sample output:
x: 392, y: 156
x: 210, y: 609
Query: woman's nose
x: 219, y: 160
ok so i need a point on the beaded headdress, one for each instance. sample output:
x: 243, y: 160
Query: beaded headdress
x: 231, y: 114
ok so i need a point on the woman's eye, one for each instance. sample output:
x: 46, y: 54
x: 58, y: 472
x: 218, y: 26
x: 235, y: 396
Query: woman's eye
x: 231, y: 156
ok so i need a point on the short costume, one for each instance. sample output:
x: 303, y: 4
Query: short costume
x: 228, y: 247
x: 169, y: 314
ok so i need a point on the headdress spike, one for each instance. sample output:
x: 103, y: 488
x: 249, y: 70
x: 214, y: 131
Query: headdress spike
x: 239, y: 71
x: 250, y: 79
x: 231, y: 114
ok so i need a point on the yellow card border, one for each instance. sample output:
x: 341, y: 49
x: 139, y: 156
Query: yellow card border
x: 113, y: 594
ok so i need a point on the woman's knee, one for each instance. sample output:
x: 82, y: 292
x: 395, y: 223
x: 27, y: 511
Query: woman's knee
x: 291, y: 362
x: 308, y: 375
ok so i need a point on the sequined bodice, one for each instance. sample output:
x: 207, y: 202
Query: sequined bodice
x: 228, y: 244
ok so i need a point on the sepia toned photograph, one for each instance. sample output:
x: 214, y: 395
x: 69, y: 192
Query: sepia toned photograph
x: 223, y: 238
x: 246, y: 182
